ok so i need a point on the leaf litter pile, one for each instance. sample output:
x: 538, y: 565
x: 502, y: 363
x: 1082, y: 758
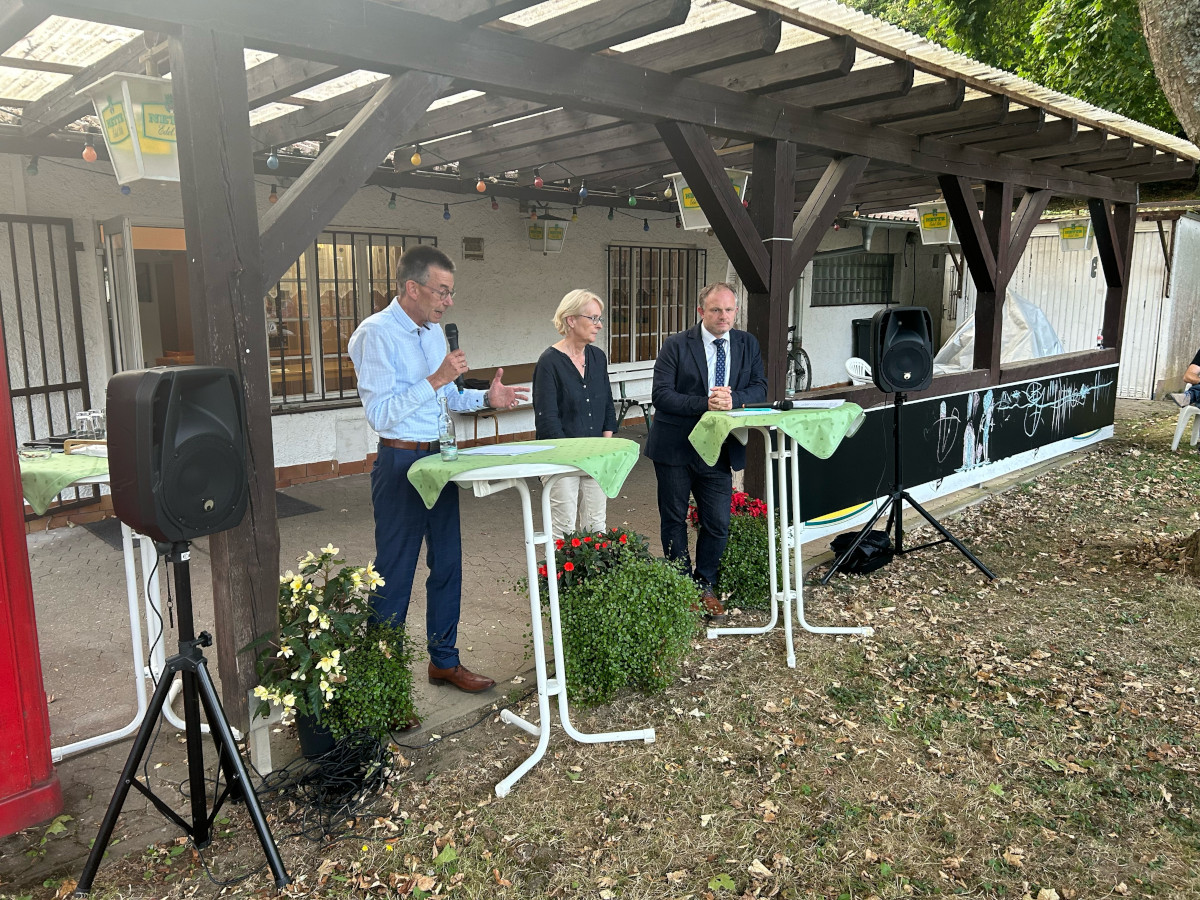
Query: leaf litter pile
x: 1034, y: 737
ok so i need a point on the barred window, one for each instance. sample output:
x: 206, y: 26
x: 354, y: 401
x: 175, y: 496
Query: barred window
x: 850, y: 279
x: 651, y: 294
x: 315, y: 307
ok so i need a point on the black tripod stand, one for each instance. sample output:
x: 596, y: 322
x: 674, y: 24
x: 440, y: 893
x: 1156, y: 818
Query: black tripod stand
x: 197, y: 688
x: 895, y: 502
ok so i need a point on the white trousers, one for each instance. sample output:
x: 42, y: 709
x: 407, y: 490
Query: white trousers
x: 577, y: 494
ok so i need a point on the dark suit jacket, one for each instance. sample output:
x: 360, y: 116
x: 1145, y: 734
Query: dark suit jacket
x: 680, y: 393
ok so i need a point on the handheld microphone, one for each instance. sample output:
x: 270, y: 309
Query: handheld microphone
x: 452, y: 339
x: 782, y: 405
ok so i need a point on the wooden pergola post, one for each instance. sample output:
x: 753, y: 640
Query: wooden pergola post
x: 225, y: 282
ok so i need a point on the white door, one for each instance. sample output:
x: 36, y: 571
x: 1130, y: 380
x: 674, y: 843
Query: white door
x: 122, y: 294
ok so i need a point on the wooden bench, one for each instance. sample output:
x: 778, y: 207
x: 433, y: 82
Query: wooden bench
x: 632, y: 384
x: 520, y: 374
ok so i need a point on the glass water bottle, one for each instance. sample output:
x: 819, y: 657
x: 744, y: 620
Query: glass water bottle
x: 446, y: 436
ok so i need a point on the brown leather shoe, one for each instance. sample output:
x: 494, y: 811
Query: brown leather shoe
x: 714, y: 609
x: 461, y: 677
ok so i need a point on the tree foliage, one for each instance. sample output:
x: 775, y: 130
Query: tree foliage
x: 1091, y: 49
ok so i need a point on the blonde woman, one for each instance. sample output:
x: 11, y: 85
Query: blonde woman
x: 572, y: 398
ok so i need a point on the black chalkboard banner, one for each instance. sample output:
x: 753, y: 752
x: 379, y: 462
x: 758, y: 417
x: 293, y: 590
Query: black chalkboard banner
x: 958, y: 437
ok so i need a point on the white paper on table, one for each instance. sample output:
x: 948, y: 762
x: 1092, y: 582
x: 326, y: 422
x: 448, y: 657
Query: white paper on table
x: 90, y: 450
x: 502, y: 450
x: 817, y: 404
x: 753, y: 412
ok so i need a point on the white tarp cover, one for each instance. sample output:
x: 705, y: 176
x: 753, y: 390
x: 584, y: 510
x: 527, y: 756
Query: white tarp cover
x: 1026, y: 334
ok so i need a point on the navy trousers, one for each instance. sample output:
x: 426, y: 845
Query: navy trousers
x: 712, y: 487
x: 401, y: 523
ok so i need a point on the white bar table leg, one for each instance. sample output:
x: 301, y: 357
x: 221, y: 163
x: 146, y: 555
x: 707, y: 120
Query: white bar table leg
x: 560, y: 667
x: 772, y: 577
x: 542, y: 729
x: 139, y: 684
x: 799, y: 567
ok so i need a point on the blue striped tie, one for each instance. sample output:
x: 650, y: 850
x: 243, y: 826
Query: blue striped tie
x: 719, y: 380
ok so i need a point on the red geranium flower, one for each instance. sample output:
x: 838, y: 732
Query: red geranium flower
x: 575, y: 542
x: 623, y: 539
x: 568, y: 567
x: 541, y: 570
x: 558, y: 544
x: 588, y: 539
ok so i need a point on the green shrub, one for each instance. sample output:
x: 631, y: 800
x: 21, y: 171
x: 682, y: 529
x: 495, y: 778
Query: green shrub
x: 742, y: 575
x: 377, y: 694
x: 628, y: 626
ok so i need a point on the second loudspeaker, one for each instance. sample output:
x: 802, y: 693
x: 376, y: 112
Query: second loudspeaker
x: 902, y: 349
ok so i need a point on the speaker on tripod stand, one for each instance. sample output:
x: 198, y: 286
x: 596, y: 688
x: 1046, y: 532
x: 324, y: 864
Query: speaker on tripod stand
x: 901, y: 360
x: 177, y: 470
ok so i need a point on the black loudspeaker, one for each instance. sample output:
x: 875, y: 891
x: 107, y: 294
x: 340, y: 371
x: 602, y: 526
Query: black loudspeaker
x: 177, y: 451
x: 902, y: 349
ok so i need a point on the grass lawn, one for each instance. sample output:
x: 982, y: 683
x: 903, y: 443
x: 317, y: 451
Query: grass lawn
x: 1037, y: 736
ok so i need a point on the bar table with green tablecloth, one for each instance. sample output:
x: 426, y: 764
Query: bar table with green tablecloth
x: 43, y: 477
x: 498, y: 467
x: 819, y: 431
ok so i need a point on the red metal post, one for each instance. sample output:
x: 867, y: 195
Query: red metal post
x: 29, y: 789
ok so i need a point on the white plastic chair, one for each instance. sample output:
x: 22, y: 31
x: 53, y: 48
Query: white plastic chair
x: 859, y: 370
x: 1187, y: 415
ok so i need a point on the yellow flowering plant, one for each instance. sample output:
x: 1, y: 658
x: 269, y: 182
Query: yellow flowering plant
x: 324, y: 608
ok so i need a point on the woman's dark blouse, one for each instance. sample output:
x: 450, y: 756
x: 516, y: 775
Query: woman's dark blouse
x: 567, y: 404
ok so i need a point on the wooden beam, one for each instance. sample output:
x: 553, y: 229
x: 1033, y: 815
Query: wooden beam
x: 964, y: 212
x: 1114, y: 229
x: 1115, y: 149
x: 37, y: 65
x: 1084, y: 141
x: 225, y: 290
x: 1057, y: 134
x: 771, y: 186
x: 599, y: 25
x: 467, y: 12
x: 810, y: 64
x: 921, y: 101
x: 821, y: 208
x: 1024, y: 220
x: 872, y: 83
x: 730, y: 42
x: 1021, y: 121
x: 974, y: 113
x: 724, y: 44
x: 526, y: 139
x: 705, y: 175
x: 616, y: 138
x: 385, y: 38
x: 771, y: 215
x: 64, y: 104
x: 295, y: 221
x: 282, y: 76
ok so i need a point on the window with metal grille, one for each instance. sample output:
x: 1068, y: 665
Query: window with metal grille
x: 339, y: 281
x: 651, y: 294
x: 850, y: 279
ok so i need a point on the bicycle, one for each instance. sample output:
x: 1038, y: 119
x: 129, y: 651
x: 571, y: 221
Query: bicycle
x: 799, y: 366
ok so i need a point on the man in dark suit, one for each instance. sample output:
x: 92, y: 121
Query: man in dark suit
x: 708, y: 367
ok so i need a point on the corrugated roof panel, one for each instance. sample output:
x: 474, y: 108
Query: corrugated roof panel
x: 828, y: 17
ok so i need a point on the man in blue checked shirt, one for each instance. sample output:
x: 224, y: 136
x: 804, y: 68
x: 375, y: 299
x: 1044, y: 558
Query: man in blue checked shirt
x: 403, y: 369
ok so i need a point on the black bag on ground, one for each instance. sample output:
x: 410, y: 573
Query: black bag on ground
x: 874, y: 552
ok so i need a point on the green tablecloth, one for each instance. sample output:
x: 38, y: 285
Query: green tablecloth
x: 42, y: 479
x: 819, y: 431
x: 608, y: 460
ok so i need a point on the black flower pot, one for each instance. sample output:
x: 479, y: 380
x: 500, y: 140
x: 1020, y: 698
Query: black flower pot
x: 315, y: 738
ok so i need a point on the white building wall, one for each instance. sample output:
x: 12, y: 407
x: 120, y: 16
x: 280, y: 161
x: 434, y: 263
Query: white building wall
x: 503, y: 307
